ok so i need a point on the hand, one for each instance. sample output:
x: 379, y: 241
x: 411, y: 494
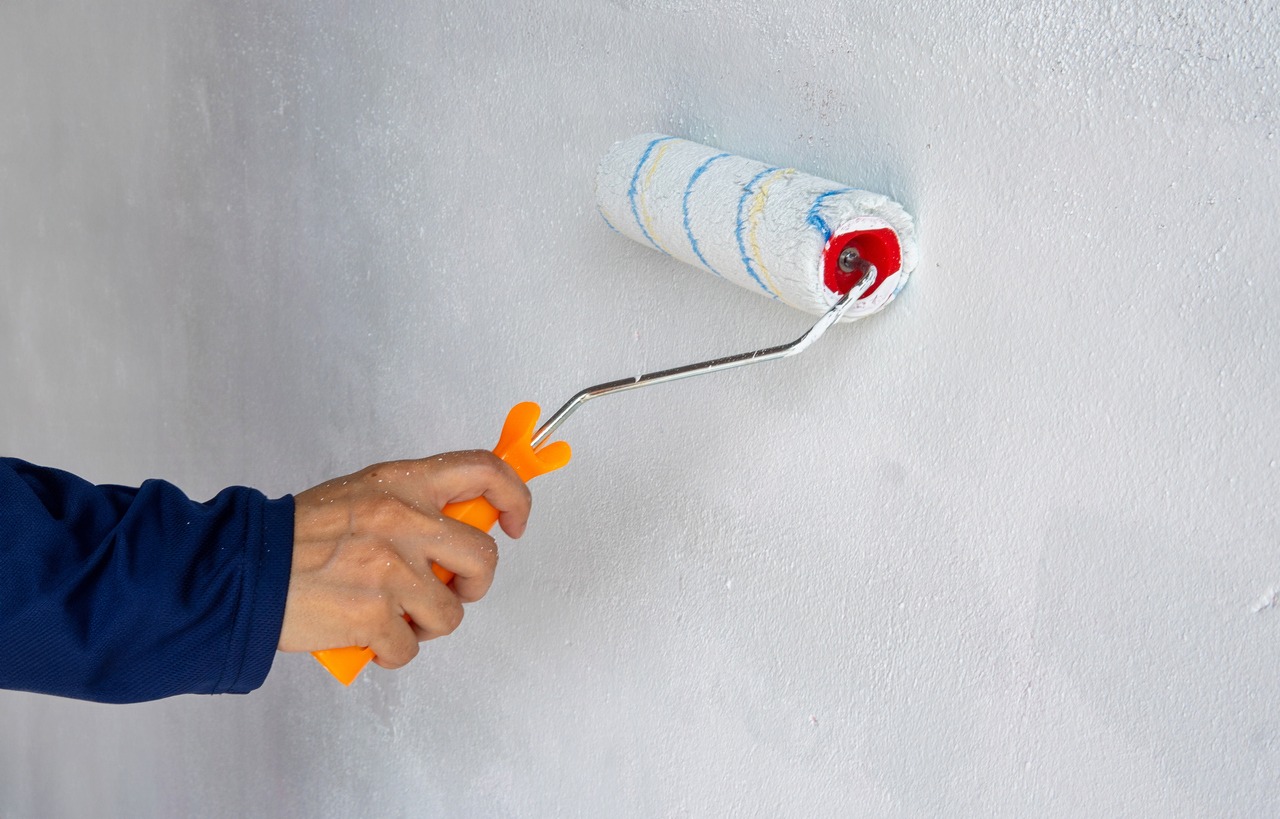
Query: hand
x: 363, y: 547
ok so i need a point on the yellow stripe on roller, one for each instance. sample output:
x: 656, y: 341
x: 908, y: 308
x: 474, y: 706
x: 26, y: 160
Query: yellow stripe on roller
x: 753, y: 222
x: 644, y: 198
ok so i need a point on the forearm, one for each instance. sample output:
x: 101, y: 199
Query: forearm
x: 119, y: 594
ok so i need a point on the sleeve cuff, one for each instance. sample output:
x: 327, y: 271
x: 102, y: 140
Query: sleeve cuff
x: 266, y: 585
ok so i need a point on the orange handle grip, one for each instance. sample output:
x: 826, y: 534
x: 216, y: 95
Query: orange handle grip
x: 516, y: 448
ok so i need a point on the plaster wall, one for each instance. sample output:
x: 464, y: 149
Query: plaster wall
x: 1009, y: 548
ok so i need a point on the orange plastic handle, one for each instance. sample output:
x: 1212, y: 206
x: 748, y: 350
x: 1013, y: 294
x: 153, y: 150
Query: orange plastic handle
x: 516, y: 448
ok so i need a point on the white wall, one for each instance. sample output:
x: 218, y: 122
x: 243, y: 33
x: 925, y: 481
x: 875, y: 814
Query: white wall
x: 1004, y: 549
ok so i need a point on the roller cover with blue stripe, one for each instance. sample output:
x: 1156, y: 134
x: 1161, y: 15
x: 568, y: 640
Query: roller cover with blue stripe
x: 762, y: 227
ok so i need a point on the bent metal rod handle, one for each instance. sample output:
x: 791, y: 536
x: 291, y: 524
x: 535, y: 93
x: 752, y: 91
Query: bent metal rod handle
x: 515, y: 446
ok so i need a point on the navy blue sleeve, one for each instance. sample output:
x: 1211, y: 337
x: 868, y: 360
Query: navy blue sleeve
x: 120, y: 594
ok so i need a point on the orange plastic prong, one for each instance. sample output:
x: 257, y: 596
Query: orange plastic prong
x: 515, y: 446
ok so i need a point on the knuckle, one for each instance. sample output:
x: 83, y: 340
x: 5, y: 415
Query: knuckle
x: 393, y: 660
x: 374, y: 471
x: 520, y: 493
x: 451, y: 618
x: 390, y: 658
x: 410, y: 651
x: 405, y: 470
x: 480, y: 551
x: 487, y: 554
x: 396, y: 651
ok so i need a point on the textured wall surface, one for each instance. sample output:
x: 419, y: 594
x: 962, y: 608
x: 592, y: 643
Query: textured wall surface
x: 1010, y: 547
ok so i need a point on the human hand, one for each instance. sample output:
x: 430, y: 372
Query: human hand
x: 364, y: 545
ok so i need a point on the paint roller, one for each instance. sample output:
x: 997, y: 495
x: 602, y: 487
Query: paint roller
x: 807, y: 242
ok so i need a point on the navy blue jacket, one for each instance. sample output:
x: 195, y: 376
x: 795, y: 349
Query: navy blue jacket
x: 121, y: 594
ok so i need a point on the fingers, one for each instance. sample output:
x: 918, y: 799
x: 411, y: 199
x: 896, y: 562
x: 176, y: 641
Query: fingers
x: 414, y: 608
x: 459, y: 476
x: 470, y: 554
x: 423, y: 537
x: 436, y: 611
x: 395, y: 645
x: 364, y: 546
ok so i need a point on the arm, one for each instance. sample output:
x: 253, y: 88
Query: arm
x: 120, y: 594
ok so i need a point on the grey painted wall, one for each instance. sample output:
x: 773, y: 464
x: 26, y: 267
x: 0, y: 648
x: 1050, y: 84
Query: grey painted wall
x: 1008, y: 548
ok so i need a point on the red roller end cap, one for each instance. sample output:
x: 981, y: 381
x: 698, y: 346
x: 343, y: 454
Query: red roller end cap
x: 878, y: 246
